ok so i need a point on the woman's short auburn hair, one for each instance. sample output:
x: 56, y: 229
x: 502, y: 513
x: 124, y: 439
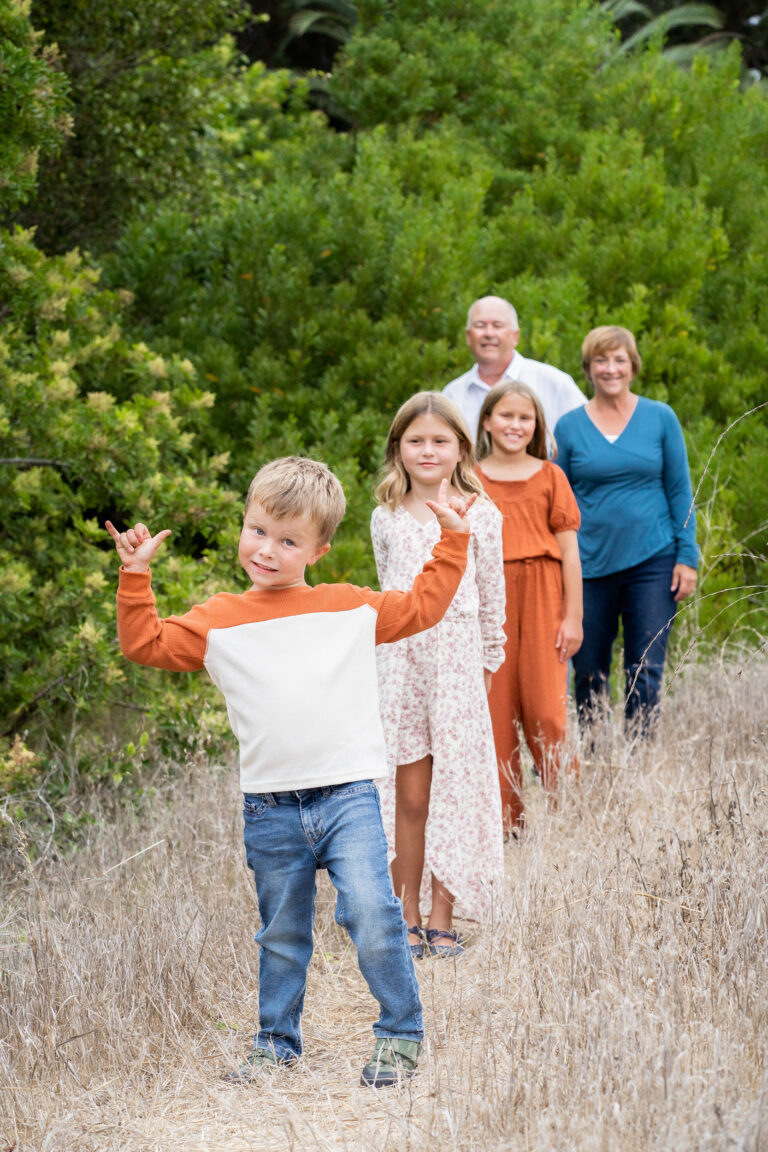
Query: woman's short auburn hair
x: 605, y: 339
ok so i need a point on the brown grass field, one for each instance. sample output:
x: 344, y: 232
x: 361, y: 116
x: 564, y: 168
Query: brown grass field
x: 618, y: 1002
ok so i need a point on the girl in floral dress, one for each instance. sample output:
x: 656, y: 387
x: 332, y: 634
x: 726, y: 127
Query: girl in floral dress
x: 441, y: 804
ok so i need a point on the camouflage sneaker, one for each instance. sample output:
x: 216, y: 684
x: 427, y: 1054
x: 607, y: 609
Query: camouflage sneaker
x: 392, y: 1062
x: 260, y: 1060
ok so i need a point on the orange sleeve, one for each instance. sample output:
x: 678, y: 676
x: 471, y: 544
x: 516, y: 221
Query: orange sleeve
x: 402, y: 614
x: 564, y: 515
x: 176, y: 644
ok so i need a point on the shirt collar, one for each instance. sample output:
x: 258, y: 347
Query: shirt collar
x: 507, y: 374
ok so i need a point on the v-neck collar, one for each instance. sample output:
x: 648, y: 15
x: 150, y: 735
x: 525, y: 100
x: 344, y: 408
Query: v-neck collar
x: 618, y: 435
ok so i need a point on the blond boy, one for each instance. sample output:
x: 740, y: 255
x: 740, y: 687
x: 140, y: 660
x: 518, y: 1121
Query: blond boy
x: 297, y: 669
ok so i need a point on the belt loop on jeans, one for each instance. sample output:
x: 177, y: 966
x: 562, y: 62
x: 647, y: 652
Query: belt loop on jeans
x: 270, y: 799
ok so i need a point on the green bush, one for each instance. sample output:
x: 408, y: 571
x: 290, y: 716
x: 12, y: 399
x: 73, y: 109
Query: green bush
x: 33, y: 106
x: 147, y: 80
x: 71, y: 455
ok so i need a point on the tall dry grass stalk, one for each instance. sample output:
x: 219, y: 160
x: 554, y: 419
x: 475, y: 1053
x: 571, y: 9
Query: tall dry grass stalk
x: 620, y: 1001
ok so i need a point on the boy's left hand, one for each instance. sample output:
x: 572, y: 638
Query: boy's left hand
x: 451, y: 511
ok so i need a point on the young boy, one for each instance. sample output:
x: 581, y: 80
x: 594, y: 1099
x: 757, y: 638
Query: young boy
x: 297, y: 668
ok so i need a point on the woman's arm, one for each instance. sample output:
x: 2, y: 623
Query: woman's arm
x: 570, y: 633
x: 676, y: 478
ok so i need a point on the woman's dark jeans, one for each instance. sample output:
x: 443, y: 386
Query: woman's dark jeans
x: 641, y: 598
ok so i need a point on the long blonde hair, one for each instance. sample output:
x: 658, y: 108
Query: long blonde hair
x: 538, y: 445
x: 395, y: 481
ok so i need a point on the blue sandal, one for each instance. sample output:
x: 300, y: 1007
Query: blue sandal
x: 443, y: 951
x: 417, y: 950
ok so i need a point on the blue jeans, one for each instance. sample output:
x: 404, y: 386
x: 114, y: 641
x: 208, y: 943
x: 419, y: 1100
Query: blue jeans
x: 288, y: 836
x: 641, y: 598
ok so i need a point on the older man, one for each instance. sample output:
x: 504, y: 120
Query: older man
x: 492, y: 334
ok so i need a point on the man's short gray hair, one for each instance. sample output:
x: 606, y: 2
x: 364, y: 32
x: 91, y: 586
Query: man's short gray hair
x: 512, y: 313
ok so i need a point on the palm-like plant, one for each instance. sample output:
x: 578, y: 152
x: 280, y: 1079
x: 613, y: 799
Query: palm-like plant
x: 301, y: 34
x: 332, y: 18
x: 688, y: 29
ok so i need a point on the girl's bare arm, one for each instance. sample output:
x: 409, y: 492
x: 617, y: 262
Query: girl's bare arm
x: 570, y: 633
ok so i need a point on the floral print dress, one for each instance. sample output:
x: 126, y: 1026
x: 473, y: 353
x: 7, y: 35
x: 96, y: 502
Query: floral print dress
x: 433, y: 701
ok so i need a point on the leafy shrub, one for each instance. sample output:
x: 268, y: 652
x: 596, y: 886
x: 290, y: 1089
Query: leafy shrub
x: 33, y: 115
x: 146, y: 79
x: 70, y: 455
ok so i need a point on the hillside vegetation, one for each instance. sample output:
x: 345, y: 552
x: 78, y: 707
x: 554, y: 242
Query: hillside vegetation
x: 254, y: 279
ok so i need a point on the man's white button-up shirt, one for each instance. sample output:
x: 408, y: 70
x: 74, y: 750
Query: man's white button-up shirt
x: 556, y: 390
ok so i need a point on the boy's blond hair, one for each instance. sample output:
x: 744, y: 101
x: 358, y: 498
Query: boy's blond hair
x: 395, y: 481
x: 296, y: 486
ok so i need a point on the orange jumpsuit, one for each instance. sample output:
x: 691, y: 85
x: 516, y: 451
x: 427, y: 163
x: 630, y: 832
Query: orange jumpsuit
x: 531, y: 685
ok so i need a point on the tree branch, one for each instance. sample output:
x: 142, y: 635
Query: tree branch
x: 33, y: 462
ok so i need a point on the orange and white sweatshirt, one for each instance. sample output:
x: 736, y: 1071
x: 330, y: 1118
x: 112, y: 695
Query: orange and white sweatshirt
x: 296, y: 666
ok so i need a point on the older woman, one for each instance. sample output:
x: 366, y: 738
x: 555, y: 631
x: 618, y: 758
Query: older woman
x: 626, y: 461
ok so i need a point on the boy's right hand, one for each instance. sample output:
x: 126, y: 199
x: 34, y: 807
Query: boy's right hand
x: 451, y: 511
x: 136, y: 546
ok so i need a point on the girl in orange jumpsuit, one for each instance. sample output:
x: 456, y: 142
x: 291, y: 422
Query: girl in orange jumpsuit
x: 543, y: 584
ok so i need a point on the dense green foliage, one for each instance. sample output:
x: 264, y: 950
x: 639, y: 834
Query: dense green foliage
x: 145, y: 82
x: 276, y: 286
x: 33, y: 117
x: 72, y: 454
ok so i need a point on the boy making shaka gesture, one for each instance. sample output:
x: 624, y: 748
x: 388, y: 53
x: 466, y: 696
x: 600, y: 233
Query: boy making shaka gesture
x: 297, y: 669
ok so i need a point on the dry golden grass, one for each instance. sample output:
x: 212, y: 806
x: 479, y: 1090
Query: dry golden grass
x: 620, y: 1001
